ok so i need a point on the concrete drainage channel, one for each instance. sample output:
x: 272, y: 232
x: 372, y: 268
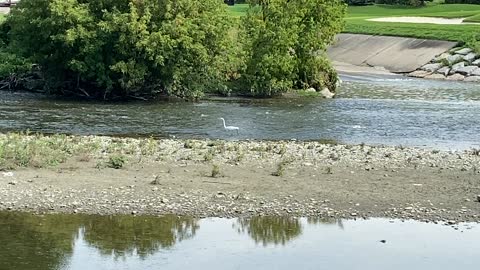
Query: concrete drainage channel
x: 458, y: 64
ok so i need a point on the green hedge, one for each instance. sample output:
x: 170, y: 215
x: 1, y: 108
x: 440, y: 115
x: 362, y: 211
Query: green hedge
x: 359, y: 2
x: 415, y: 3
x: 477, y: 2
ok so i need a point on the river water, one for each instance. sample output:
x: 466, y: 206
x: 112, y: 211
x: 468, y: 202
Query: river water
x: 372, y: 110
x: 76, y: 242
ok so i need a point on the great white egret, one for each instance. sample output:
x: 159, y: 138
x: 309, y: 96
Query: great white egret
x: 229, y: 128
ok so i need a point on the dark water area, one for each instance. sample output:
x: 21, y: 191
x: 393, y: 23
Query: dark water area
x: 74, y: 242
x: 372, y: 110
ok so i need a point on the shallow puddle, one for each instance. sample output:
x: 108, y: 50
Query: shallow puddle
x: 126, y: 242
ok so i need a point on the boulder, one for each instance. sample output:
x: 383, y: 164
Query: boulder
x: 432, y: 67
x: 456, y: 67
x: 444, y: 70
x: 470, y: 57
x: 476, y: 62
x: 467, y: 70
x: 441, y: 57
x: 472, y: 79
x: 436, y: 77
x: 326, y: 93
x: 452, y: 59
x: 476, y: 72
x: 464, y: 51
x: 419, y: 74
x: 311, y: 90
x: 456, y: 77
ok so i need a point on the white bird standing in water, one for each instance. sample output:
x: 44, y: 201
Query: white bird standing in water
x: 229, y: 128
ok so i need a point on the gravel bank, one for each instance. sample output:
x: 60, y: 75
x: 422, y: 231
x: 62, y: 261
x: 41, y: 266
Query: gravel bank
x: 203, y: 178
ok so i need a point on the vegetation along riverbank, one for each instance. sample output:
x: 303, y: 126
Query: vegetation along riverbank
x: 360, y: 20
x: 105, y: 175
x: 142, y: 49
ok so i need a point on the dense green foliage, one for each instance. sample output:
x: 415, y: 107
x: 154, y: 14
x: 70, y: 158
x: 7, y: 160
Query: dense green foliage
x: 109, y: 48
x: 359, y: 2
x: 285, y: 43
x: 477, y: 2
x: 128, y: 48
x: 414, y: 3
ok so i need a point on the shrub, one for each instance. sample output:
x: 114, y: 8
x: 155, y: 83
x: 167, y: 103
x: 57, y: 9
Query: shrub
x: 415, y: 3
x: 215, y: 171
x: 285, y: 41
x: 116, y: 161
x: 477, y: 2
x: 121, y: 48
x: 359, y: 2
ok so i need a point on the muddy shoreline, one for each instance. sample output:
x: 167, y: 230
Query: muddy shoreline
x: 205, y: 178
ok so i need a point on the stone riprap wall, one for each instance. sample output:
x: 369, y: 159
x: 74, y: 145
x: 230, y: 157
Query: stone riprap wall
x: 458, y: 64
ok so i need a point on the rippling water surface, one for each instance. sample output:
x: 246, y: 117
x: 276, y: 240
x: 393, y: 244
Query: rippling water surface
x: 373, y: 110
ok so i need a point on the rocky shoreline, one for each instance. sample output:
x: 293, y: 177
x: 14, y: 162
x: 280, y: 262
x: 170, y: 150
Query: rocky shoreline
x: 205, y: 178
x: 459, y: 64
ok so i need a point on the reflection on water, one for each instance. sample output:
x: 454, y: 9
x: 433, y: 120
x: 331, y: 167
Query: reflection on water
x: 124, y: 242
x: 120, y: 235
x: 48, y: 242
x: 271, y: 230
x: 375, y: 111
x: 278, y: 230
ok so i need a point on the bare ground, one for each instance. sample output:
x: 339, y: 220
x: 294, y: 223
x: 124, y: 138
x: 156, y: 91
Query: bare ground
x: 258, y: 178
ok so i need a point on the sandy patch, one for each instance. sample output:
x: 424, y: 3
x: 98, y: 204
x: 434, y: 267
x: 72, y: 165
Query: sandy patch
x: 421, y: 20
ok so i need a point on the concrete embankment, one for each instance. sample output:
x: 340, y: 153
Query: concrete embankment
x: 353, y: 52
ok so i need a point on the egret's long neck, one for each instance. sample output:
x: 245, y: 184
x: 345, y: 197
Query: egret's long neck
x: 225, y: 126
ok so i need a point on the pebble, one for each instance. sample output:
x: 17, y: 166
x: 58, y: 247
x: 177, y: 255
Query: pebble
x: 131, y: 199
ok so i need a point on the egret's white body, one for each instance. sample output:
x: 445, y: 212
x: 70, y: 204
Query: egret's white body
x: 229, y: 128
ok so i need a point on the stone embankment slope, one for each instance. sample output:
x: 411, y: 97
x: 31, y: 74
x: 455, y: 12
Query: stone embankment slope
x: 393, y: 54
x: 459, y: 64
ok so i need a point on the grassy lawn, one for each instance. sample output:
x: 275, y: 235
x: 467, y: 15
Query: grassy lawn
x: 356, y: 20
x: 475, y: 18
x: 237, y: 10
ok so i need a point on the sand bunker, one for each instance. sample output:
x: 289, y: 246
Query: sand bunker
x: 421, y: 20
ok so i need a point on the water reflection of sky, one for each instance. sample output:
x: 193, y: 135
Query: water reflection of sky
x: 410, y: 245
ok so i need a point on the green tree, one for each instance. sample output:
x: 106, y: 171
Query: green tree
x: 285, y: 43
x: 124, y: 48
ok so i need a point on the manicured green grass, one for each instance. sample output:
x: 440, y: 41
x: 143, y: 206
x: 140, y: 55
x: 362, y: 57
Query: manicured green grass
x: 237, y: 10
x: 475, y: 19
x: 357, y: 20
x: 435, y: 10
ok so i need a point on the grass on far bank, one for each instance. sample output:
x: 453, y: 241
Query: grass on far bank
x: 357, y: 20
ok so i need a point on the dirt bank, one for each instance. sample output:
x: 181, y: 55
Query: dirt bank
x: 227, y: 179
